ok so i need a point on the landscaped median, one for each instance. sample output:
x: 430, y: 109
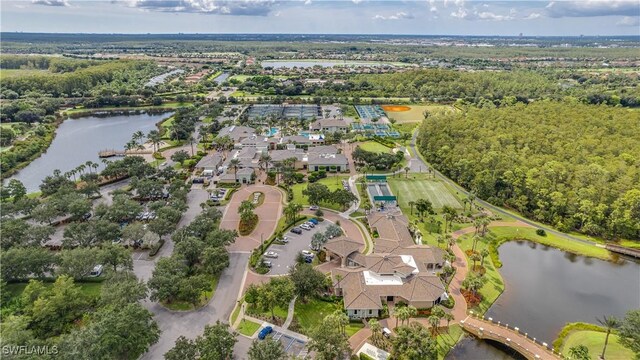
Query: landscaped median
x: 247, y: 327
x: 205, y: 296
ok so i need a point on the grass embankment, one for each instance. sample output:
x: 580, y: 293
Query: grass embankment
x: 499, y: 235
x: 205, y: 296
x: 333, y: 182
x: 448, y: 339
x: 165, y: 106
x: 592, y: 336
x: 494, y: 286
x: 248, y: 328
x: 311, y: 314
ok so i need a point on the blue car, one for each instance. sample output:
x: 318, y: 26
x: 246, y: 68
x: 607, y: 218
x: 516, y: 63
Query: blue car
x: 314, y: 220
x: 264, y: 332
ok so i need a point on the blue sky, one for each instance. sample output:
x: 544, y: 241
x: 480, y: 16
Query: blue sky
x: 426, y: 17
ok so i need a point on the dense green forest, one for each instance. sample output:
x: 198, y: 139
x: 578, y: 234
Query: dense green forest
x: 571, y: 165
x: 121, y: 77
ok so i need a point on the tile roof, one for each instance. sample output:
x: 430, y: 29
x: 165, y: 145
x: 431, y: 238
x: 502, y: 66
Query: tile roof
x: 343, y: 246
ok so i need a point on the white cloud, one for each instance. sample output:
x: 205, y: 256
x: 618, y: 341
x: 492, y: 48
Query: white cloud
x: 397, y: 16
x: 218, y: 7
x: 432, y: 6
x: 589, y: 8
x: 629, y: 21
x: 51, y: 2
x: 487, y: 15
x: 532, y: 16
x: 307, y: 2
x: 357, y: 1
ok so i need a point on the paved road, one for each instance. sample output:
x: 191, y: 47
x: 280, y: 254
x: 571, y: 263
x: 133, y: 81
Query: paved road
x: 416, y: 162
x: 191, y: 324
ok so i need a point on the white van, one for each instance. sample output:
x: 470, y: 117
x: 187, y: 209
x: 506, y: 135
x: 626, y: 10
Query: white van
x: 97, y: 271
x: 386, y: 332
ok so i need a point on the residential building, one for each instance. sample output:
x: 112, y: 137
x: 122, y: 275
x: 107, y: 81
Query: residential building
x: 243, y: 176
x: 236, y: 133
x: 327, y: 161
x: 210, y: 164
x: 330, y: 125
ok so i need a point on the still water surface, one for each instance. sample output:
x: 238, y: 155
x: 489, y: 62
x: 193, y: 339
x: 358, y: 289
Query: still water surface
x: 547, y: 287
x: 79, y: 140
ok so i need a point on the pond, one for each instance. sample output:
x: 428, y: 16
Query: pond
x: 323, y: 63
x: 79, y: 140
x: 547, y: 288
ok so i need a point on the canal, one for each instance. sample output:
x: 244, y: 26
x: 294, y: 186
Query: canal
x: 547, y: 288
x: 79, y: 140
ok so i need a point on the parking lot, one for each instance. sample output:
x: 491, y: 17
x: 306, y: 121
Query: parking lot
x: 287, y: 253
x: 291, y: 342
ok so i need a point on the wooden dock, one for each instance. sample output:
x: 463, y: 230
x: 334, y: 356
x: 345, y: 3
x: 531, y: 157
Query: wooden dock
x: 623, y: 250
x: 111, y: 153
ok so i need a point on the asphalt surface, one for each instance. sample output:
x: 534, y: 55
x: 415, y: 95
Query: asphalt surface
x: 287, y: 253
x: 191, y: 324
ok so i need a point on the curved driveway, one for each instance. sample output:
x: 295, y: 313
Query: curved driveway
x: 268, y: 213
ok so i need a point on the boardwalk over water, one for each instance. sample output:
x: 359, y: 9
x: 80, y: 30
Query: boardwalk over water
x: 511, y: 337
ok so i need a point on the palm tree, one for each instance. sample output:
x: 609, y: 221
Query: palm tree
x: 81, y: 168
x: 475, y: 239
x: 484, y: 222
x: 483, y: 253
x: 137, y: 136
x: 89, y: 165
x: 475, y: 257
x: 472, y: 198
x: 434, y: 321
x: 411, y: 203
x: 610, y: 323
x: 190, y: 139
x: 291, y: 211
x: 406, y: 171
x: 465, y: 201
x: 449, y: 317
x: 234, y: 164
x: 450, y: 240
x: 265, y: 159
x: 440, y: 239
x: 375, y: 327
x: 154, y: 137
x: 448, y: 213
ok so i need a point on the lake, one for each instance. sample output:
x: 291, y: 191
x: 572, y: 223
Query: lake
x: 547, y: 288
x: 79, y: 140
x: 311, y: 63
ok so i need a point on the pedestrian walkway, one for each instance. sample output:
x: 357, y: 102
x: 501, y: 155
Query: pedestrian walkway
x: 292, y: 305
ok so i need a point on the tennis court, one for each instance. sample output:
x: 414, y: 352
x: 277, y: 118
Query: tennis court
x: 413, y: 189
x: 369, y: 111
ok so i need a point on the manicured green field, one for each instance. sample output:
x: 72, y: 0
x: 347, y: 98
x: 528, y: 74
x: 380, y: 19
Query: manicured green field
x: 374, y: 147
x: 594, y: 340
x: 418, y: 187
x: 248, y: 328
x: 447, y: 339
x: 330, y: 181
x: 416, y: 114
x: 311, y: 314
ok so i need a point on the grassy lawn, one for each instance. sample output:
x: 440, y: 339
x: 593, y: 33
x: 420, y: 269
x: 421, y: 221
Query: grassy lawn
x: 236, y: 312
x: 214, y: 75
x: 248, y: 328
x: 90, y: 288
x: 186, y: 306
x: 594, y: 340
x: 240, y: 93
x: 310, y: 315
x: 330, y: 181
x: 415, y: 114
x: 373, y: 146
x: 406, y: 189
x: 278, y: 311
x: 406, y: 127
x: 447, y: 339
x: 494, y: 285
x: 502, y: 234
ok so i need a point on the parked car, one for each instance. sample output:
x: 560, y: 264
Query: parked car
x: 86, y: 216
x: 308, y: 259
x: 296, y: 230
x: 314, y: 221
x: 284, y: 240
x: 308, y: 253
x: 305, y: 226
x: 310, y: 224
x: 198, y: 180
x: 386, y: 332
x: 267, y: 264
x: 313, y: 207
x: 271, y: 254
x: 264, y: 332
x: 97, y: 271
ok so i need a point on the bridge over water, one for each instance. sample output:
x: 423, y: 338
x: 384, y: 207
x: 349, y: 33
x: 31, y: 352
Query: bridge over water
x: 512, y: 337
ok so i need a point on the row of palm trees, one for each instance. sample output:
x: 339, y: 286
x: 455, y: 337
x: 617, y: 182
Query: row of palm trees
x: 80, y: 169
